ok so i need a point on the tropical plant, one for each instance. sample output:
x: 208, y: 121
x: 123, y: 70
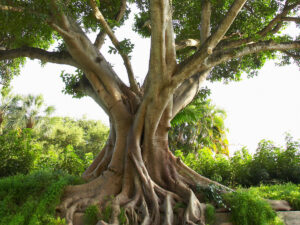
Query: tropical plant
x: 191, y: 41
x: 199, y: 125
x: 16, y: 152
x: 29, y: 113
x: 8, y: 104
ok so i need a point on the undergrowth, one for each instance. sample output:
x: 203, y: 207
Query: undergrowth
x: 31, y: 199
x: 289, y: 192
x: 250, y: 209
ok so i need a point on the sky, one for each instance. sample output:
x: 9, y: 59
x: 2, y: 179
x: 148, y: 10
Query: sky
x: 263, y: 107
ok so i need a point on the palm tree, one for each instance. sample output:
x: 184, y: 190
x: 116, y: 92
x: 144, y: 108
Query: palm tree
x: 8, y: 104
x: 30, y: 112
x: 200, y: 124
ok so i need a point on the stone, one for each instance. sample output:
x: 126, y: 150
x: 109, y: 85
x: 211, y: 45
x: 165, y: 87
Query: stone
x: 290, y: 217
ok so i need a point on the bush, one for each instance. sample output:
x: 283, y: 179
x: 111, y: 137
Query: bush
x: 249, y: 209
x: 269, y: 165
x: 16, y: 152
x: 31, y: 199
x: 91, y: 215
x: 210, y: 214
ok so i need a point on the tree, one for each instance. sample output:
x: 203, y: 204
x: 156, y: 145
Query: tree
x: 199, y: 125
x: 28, y: 114
x: 8, y: 104
x: 191, y: 41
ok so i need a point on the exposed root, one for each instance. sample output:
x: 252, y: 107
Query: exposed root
x: 168, y: 210
x: 194, y: 213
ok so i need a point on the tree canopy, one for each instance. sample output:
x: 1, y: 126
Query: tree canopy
x: 30, y: 28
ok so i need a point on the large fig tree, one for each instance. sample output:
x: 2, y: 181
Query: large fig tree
x: 191, y: 41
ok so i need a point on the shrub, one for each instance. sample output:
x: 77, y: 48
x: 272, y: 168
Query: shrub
x: 16, y: 153
x: 249, y: 209
x: 210, y: 214
x: 31, y: 199
x: 91, y: 215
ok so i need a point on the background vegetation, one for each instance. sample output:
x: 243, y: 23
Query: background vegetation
x: 39, y: 160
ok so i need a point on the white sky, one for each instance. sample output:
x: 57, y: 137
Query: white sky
x: 264, y: 107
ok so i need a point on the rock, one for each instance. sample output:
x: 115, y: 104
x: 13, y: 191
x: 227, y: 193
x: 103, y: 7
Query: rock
x: 290, y: 218
x: 279, y: 205
x: 222, y: 219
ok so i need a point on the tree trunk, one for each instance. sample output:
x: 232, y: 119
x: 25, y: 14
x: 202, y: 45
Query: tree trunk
x: 136, y: 173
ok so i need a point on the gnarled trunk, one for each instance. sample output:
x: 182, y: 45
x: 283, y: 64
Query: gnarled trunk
x: 137, y: 168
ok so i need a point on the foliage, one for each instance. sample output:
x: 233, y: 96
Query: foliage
x: 8, y: 104
x: 204, y: 162
x: 270, y: 164
x: 210, y: 214
x: 289, y: 192
x: 16, y: 152
x: 31, y: 199
x: 27, y: 111
x: 91, y: 215
x: 199, y: 125
x: 249, y: 209
x: 58, y: 144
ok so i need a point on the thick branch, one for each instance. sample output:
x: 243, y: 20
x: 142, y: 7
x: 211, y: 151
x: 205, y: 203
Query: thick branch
x: 63, y: 20
x: 114, y: 40
x: 223, y: 56
x: 189, y: 66
x: 205, y: 21
x: 187, y: 43
x: 101, y: 36
x: 170, y: 42
x: 162, y: 50
x: 36, y: 53
x: 157, y: 51
x: 185, y: 93
x: 292, y: 19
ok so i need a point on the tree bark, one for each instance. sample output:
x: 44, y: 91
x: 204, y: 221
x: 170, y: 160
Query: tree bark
x: 136, y: 173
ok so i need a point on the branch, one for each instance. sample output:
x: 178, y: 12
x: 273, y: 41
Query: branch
x: 226, y: 55
x: 186, y: 92
x: 116, y: 43
x: 101, y: 36
x: 64, y: 22
x: 295, y: 57
x: 11, y: 8
x: 293, y: 19
x: 36, y: 53
x: 162, y: 52
x: 205, y: 20
x: 277, y: 22
x: 170, y: 41
x: 189, y: 66
x: 187, y: 43
x: 277, y: 19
